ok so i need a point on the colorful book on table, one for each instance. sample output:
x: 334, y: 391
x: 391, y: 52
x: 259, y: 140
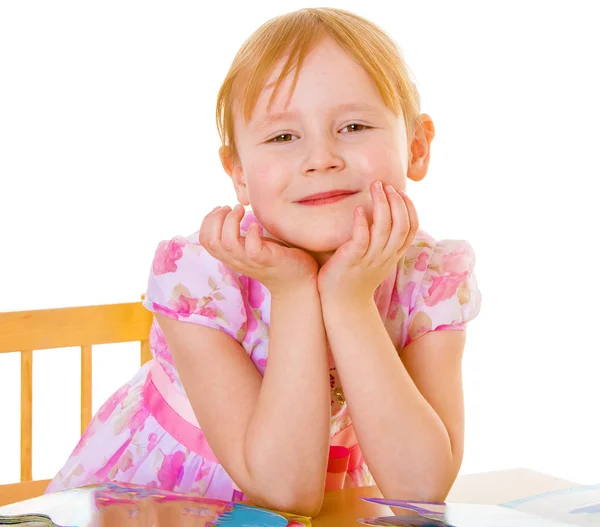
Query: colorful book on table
x: 575, y: 507
x: 121, y: 505
x: 28, y: 520
x: 118, y: 504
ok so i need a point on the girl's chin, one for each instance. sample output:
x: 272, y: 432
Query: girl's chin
x: 323, y: 235
x: 317, y: 243
x: 312, y: 239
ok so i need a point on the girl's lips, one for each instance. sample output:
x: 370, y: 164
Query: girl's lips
x: 325, y: 198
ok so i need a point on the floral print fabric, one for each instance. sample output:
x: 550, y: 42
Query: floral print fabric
x: 433, y: 288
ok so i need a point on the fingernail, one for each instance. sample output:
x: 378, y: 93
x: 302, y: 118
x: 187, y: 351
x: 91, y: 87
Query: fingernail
x: 378, y: 185
x: 389, y: 188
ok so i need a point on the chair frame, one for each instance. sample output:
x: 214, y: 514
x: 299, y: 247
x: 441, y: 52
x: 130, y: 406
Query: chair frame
x: 45, y: 329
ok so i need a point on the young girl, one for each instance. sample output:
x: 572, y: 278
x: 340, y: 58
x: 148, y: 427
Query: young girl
x: 315, y: 342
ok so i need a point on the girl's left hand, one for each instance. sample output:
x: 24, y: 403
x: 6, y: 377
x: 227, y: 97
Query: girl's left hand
x: 361, y: 264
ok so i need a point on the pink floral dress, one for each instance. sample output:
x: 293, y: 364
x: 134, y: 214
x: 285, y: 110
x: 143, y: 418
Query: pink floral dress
x: 132, y: 440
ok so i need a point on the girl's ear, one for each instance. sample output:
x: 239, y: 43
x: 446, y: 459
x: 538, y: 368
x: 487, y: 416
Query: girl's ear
x: 235, y: 171
x: 420, y: 149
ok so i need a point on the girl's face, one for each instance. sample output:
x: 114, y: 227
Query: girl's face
x: 334, y: 139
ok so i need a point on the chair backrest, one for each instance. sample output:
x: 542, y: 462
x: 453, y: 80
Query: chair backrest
x: 27, y: 331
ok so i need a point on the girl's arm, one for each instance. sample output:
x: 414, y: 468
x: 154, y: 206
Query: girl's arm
x: 271, y: 434
x: 407, y: 413
x: 408, y: 409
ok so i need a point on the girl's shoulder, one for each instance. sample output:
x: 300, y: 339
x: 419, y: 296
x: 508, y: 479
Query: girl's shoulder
x: 427, y: 255
x: 435, y: 285
x: 187, y: 283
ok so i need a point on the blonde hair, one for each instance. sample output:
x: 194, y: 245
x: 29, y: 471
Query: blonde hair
x: 295, y: 35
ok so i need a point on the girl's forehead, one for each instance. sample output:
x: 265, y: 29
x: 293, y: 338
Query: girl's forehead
x: 328, y: 79
x: 293, y: 103
x: 313, y: 86
x: 326, y: 58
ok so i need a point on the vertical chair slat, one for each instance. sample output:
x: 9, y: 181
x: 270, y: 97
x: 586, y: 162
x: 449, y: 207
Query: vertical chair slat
x: 145, y: 353
x: 86, y: 386
x: 48, y: 329
x: 26, y: 413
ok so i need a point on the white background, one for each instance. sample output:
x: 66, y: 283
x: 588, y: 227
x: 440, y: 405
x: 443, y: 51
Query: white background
x: 108, y: 145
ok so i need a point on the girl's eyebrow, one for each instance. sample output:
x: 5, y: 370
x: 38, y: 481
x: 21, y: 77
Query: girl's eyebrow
x: 275, y: 117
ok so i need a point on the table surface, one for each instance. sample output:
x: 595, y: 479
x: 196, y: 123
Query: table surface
x: 342, y: 507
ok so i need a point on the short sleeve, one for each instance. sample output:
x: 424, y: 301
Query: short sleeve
x: 186, y: 283
x: 448, y: 295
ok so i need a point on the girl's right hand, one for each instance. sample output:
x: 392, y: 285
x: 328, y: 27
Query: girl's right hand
x: 278, y: 267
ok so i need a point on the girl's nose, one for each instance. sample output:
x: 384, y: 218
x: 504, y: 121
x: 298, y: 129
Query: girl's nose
x: 322, y: 156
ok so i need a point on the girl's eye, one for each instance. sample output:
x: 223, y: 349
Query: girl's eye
x: 286, y: 138
x: 281, y: 138
x: 356, y: 127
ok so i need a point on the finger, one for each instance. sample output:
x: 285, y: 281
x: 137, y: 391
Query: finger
x: 382, y: 221
x: 413, y: 220
x: 230, y: 235
x: 400, y: 222
x: 210, y: 231
x: 255, y: 247
x: 356, y: 248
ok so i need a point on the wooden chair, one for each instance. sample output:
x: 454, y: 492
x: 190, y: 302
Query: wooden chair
x: 46, y: 329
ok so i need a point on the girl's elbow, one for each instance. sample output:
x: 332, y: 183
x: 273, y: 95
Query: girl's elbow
x: 295, y: 501
x: 439, y: 483
x: 433, y: 488
x: 433, y: 494
x: 301, y: 503
x: 309, y: 505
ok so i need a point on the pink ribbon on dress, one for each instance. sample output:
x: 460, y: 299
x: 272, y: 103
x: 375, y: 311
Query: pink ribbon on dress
x: 174, y: 413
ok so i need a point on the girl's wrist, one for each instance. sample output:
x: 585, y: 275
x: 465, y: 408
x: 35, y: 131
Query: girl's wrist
x: 306, y: 289
x: 343, y: 304
x: 345, y: 297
